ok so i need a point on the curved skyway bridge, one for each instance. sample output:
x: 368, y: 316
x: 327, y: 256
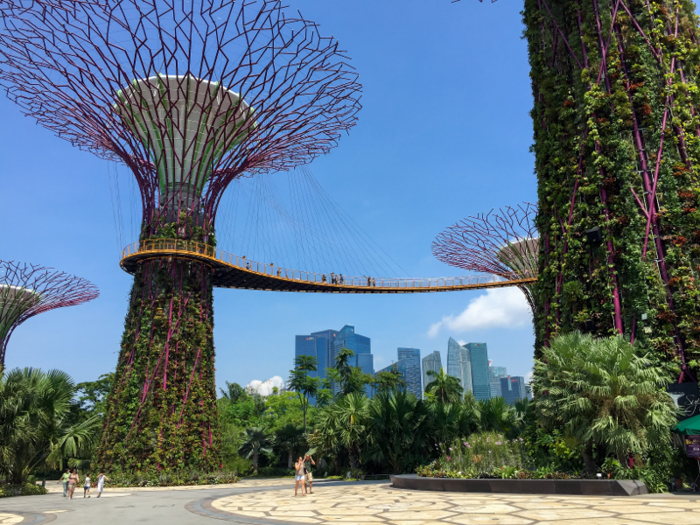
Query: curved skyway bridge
x: 232, y: 271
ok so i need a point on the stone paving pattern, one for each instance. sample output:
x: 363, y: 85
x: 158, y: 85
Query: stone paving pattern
x: 382, y: 504
x: 10, y: 519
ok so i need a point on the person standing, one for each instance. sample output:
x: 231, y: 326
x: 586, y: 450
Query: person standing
x: 299, y: 477
x: 73, y: 480
x: 101, y: 478
x: 308, y: 461
x: 86, y: 486
x: 64, y: 480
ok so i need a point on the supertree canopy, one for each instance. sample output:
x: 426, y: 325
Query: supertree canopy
x: 27, y: 290
x: 617, y: 147
x: 503, y: 243
x: 190, y: 96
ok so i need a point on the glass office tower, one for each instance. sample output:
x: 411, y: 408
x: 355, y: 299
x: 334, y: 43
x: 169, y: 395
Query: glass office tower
x: 479, y: 359
x: 410, y: 369
x: 431, y: 362
x: 513, y: 388
x: 459, y: 365
x: 361, y: 346
x: 495, y: 375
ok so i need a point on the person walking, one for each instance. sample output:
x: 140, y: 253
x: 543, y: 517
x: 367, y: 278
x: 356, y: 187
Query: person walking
x: 101, y: 478
x: 86, y: 486
x: 308, y: 461
x: 299, y: 477
x: 73, y: 480
x: 64, y: 480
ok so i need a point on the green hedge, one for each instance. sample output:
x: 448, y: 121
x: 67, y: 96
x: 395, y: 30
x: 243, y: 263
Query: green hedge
x: 26, y: 489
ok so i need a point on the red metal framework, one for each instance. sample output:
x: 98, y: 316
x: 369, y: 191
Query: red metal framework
x: 28, y: 289
x: 500, y: 243
x: 262, y: 92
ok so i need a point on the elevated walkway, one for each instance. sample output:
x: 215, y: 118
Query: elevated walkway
x: 233, y: 271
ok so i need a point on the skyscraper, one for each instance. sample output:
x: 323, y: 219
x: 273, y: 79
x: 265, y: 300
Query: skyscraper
x: 360, y: 345
x: 479, y: 359
x: 318, y: 345
x: 431, y: 362
x: 409, y: 359
x: 513, y: 388
x: 495, y: 375
x: 459, y: 365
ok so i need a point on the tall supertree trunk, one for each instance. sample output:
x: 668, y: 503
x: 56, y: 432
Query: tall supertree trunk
x: 162, y: 412
x: 617, y: 147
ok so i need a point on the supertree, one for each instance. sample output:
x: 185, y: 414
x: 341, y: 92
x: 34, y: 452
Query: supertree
x: 28, y: 289
x: 190, y: 96
x: 617, y: 153
x: 503, y: 243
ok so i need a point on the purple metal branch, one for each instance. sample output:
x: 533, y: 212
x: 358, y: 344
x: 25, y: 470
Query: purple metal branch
x: 27, y: 290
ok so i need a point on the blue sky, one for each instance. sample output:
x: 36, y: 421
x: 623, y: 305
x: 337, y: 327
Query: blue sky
x: 444, y: 133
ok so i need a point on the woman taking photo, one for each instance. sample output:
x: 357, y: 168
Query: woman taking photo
x: 299, y: 477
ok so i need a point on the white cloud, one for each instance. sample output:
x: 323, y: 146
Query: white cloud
x: 528, y: 377
x: 498, y: 308
x: 264, y: 388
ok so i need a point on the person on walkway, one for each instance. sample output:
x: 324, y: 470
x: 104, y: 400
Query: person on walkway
x: 101, y: 478
x: 73, y: 480
x: 86, y: 486
x: 308, y: 461
x: 299, y: 477
x: 64, y: 480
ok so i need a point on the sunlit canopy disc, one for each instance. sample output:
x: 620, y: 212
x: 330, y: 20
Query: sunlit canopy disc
x: 521, y: 256
x: 14, y: 301
x: 186, y: 125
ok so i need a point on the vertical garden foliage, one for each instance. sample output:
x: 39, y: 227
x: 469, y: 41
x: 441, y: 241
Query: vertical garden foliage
x: 162, y: 411
x: 617, y: 148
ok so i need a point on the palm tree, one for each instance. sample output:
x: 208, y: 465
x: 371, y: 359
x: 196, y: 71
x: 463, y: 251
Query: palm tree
x: 343, y: 423
x: 497, y: 416
x: 397, y: 429
x: 36, y: 424
x: 302, y: 383
x: 445, y: 387
x: 255, y: 441
x: 290, y: 437
x: 603, y: 392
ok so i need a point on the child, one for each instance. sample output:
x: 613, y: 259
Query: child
x: 86, y: 486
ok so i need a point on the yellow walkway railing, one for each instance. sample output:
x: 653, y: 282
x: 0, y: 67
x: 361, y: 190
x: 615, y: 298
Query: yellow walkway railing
x: 215, y: 255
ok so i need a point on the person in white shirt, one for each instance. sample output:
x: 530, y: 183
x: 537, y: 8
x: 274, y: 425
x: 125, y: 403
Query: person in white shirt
x: 101, y: 483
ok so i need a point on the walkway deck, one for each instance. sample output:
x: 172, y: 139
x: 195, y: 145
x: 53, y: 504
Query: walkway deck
x: 232, y: 271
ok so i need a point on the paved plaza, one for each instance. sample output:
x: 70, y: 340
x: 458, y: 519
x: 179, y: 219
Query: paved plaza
x: 270, y: 502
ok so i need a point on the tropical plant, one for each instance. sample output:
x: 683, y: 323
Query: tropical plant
x: 446, y: 388
x: 301, y: 382
x: 36, y: 422
x: 604, y: 393
x: 255, y: 441
x: 388, y: 380
x: 397, y: 429
x: 343, y: 423
x: 498, y: 416
x: 350, y: 379
x: 289, y: 438
x: 233, y: 392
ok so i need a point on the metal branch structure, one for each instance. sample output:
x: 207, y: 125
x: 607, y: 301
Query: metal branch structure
x: 503, y: 243
x: 190, y: 96
x: 27, y: 290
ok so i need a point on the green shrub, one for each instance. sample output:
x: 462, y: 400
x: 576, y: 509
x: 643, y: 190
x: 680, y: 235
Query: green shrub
x: 24, y: 489
x: 171, y: 478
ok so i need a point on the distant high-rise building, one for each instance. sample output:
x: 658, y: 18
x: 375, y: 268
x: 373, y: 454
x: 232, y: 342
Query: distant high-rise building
x: 513, y: 388
x: 479, y: 359
x: 318, y: 345
x: 410, y: 369
x: 360, y: 345
x: 495, y: 375
x: 459, y: 365
x: 431, y: 362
